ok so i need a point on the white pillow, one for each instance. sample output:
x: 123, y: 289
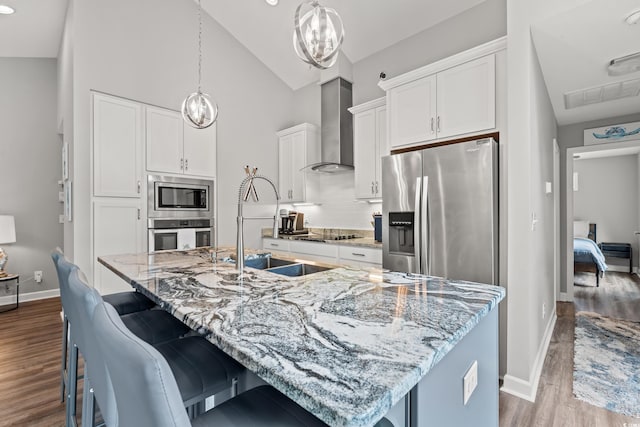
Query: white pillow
x: 581, y: 229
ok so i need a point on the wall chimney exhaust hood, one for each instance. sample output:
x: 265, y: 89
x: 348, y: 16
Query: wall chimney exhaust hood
x: 336, y: 137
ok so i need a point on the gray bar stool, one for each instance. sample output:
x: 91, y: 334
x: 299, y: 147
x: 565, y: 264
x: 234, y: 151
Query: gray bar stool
x: 123, y: 302
x: 153, y: 326
x: 153, y: 399
x: 201, y: 369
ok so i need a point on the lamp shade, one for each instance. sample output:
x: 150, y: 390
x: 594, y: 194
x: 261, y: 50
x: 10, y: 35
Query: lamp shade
x: 7, y: 229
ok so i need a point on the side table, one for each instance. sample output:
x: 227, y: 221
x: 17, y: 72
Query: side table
x: 618, y: 250
x: 16, y: 279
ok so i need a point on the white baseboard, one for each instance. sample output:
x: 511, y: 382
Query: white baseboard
x: 563, y: 297
x: 30, y: 296
x: 527, y: 389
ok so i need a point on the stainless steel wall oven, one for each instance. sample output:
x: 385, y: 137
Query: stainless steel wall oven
x: 181, y: 213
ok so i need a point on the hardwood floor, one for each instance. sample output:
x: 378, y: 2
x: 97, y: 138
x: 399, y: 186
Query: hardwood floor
x: 30, y: 345
x: 618, y: 296
x: 30, y: 352
x: 555, y: 405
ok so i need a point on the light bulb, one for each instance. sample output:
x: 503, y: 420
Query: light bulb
x: 198, y: 110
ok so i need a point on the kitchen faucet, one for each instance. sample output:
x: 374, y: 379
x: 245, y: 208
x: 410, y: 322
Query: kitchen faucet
x: 241, y: 200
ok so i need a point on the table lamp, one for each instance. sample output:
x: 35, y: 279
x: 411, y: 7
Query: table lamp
x: 7, y: 235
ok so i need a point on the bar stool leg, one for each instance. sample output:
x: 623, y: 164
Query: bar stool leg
x: 72, y: 386
x: 88, y: 402
x: 63, y: 368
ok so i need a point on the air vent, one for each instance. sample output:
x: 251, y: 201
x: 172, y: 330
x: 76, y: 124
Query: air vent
x: 595, y: 95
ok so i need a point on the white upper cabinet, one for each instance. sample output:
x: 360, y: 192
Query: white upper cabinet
x: 466, y: 98
x: 117, y: 147
x: 200, y: 151
x: 173, y: 147
x: 453, y: 97
x: 413, y: 112
x: 164, y: 140
x: 369, y: 145
x: 297, y: 147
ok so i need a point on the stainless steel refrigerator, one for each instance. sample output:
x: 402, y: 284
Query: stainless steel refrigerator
x: 440, y: 211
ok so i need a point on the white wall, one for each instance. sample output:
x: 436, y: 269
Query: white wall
x: 608, y: 197
x: 147, y: 51
x: 531, y: 127
x: 480, y: 24
x: 31, y: 167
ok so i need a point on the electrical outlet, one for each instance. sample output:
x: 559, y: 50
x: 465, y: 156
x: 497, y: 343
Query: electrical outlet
x: 37, y: 276
x: 544, y: 310
x: 469, y: 382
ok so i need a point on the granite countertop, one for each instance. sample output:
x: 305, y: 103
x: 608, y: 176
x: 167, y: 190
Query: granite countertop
x: 345, y: 344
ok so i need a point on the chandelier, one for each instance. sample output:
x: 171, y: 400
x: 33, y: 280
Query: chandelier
x: 318, y: 34
x: 198, y: 110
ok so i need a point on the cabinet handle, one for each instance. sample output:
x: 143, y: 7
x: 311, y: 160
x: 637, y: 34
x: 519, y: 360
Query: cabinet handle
x: 438, y: 124
x: 372, y: 184
x: 139, y: 185
x: 357, y: 254
x: 186, y: 164
x: 138, y: 213
x: 181, y: 164
x: 432, y: 129
x: 274, y: 245
x: 376, y: 187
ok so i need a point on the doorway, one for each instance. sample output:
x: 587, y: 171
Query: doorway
x: 610, y: 149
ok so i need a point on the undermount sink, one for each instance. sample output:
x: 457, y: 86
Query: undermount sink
x: 266, y: 263
x: 301, y: 269
x: 284, y: 267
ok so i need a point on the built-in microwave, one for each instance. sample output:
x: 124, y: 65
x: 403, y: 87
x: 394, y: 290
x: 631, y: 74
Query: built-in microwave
x: 177, y: 197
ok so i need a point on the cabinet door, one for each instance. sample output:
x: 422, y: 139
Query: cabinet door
x: 382, y: 147
x: 364, y: 153
x: 118, y: 228
x: 200, y: 151
x: 466, y: 98
x: 117, y: 147
x: 164, y: 140
x: 413, y: 110
x: 298, y: 161
x: 285, y: 145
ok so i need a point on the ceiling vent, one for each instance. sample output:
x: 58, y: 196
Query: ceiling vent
x: 595, y: 95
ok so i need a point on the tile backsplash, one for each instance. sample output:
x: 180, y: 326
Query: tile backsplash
x: 337, y: 207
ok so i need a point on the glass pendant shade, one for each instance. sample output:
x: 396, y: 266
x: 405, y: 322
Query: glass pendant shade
x: 318, y: 34
x: 199, y: 111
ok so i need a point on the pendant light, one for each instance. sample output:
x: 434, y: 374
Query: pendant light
x: 318, y: 34
x: 198, y: 109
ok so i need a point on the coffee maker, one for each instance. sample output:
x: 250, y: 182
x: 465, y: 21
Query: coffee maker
x: 292, y: 222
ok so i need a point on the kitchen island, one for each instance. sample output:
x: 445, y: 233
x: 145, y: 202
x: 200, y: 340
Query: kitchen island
x: 348, y: 345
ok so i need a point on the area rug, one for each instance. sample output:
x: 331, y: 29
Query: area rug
x: 606, y: 363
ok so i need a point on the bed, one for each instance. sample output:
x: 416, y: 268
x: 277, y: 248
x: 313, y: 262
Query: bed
x: 587, y: 256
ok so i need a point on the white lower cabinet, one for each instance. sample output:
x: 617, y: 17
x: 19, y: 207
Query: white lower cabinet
x: 118, y: 228
x: 349, y: 255
x: 360, y: 256
x: 314, y: 251
x: 276, y: 245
